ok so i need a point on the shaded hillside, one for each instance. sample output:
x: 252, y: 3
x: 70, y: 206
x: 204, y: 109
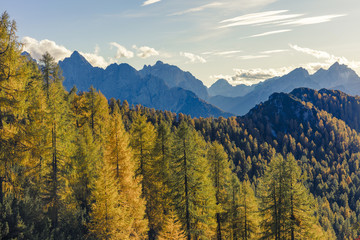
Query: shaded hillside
x: 327, y: 148
x: 337, y: 103
x: 337, y: 77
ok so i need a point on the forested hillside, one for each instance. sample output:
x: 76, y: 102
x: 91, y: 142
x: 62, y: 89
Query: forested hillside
x: 75, y: 165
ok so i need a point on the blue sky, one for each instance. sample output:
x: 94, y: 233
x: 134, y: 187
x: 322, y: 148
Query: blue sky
x: 243, y: 41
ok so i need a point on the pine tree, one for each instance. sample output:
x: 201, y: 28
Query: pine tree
x: 142, y: 142
x: 85, y: 163
x: 287, y: 207
x: 60, y: 134
x: 119, y: 156
x: 234, y: 209
x: 107, y: 215
x: 194, y: 194
x: 172, y: 228
x: 221, y: 177
x: 14, y: 75
x: 249, y: 215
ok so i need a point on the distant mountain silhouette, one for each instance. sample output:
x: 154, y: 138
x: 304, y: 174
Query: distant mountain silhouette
x: 338, y: 77
x: 122, y: 81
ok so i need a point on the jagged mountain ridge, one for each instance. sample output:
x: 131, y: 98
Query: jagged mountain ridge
x: 122, y: 81
x: 337, y: 77
x: 224, y: 88
x: 175, y: 77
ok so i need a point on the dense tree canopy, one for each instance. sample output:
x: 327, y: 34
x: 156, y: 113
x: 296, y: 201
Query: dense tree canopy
x: 74, y: 165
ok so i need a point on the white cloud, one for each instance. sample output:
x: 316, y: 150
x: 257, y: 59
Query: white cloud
x: 252, y: 76
x: 95, y: 60
x: 274, y: 51
x: 148, y: 2
x: 320, y: 54
x: 258, y: 18
x: 227, y: 5
x: 276, y: 18
x: 145, y: 52
x: 198, y: 9
x: 38, y: 48
x: 313, y: 20
x: 327, y: 57
x: 253, y: 16
x: 249, y: 57
x: 192, y: 57
x: 222, y: 53
x: 270, y: 33
x: 122, y: 51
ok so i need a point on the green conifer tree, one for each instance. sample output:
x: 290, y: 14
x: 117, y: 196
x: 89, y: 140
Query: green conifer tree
x: 194, y: 194
x: 220, y: 173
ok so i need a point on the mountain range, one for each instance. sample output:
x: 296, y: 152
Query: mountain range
x: 167, y: 87
x: 177, y: 93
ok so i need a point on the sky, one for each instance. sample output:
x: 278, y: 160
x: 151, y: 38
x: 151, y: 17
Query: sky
x: 242, y: 41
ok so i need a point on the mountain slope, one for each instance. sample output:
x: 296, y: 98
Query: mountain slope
x: 338, y: 77
x: 223, y: 88
x: 241, y: 105
x: 175, y: 77
x: 121, y: 81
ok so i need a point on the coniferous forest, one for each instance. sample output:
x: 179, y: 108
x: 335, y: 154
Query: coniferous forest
x: 75, y: 165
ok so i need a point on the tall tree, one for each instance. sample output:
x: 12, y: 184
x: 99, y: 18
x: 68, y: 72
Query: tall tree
x: 120, y: 157
x: 249, y: 215
x: 220, y: 173
x: 14, y: 75
x: 142, y: 142
x: 107, y: 217
x: 287, y: 207
x: 60, y: 134
x: 194, y: 194
x: 172, y: 228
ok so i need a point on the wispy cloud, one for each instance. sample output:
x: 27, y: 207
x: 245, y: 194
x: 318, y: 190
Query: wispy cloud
x: 148, y: 2
x: 318, y: 54
x: 313, y: 20
x: 192, y: 57
x: 252, y: 76
x: 258, y: 18
x: 328, y: 59
x: 222, y: 53
x: 249, y: 57
x: 274, y: 51
x: 145, y: 51
x: 276, y: 18
x: 122, y: 51
x: 198, y: 9
x: 270, y: 33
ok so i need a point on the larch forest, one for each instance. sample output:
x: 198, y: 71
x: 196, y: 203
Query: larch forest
x: 75, y: 165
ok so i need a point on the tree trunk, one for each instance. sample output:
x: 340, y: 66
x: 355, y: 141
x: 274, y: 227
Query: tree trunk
x: 187, y: 211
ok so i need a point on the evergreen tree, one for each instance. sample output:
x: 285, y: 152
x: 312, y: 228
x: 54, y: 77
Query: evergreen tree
x: 194, y: 194
x: 60, y: 134
x: 107, y: 217
x: 249, y: 215
x: 14, y: 75
x: 234, y: 209
x: 220, y: 173
x: 142, y: 141
x: 287, y: 208
x: 172, y: 228
x: 119, y: 156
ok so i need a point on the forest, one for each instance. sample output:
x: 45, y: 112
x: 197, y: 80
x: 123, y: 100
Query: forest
x: 75, y: 165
